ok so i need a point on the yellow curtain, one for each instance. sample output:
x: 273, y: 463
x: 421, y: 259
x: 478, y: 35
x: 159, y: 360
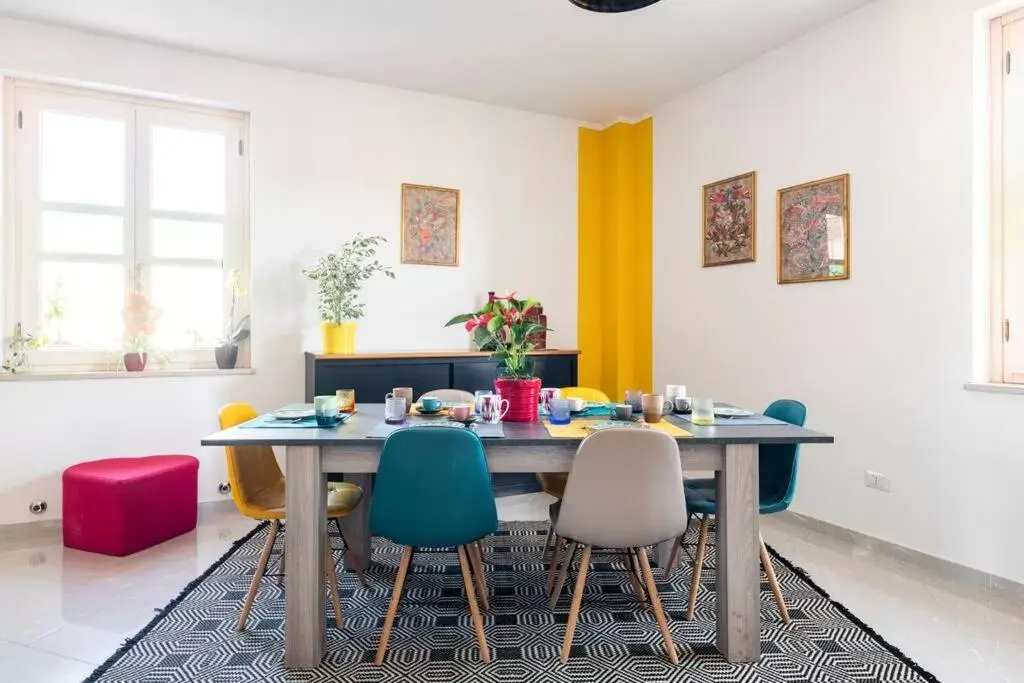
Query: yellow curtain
x: 615, y: 253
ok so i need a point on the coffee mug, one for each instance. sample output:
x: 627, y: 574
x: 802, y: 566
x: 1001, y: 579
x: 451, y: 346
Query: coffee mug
x: 430, y: 404
x: 623, y: 411
x: 682, y: 404
x: 461, y: 412
x: 673, y: 390
x: 325, y: 408
x: 493, y: 408
x: 394, y: 409
x: 403, y: 393
x: 653, y: 407
x: 478, y: 394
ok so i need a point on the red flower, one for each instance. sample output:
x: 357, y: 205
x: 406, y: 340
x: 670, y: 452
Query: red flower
x: 471, y: 324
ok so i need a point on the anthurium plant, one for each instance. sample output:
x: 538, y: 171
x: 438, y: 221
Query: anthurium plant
x: 504, y: 326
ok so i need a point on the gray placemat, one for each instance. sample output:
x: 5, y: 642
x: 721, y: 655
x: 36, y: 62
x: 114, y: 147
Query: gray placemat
x: 752, y: 421
x: 485, y: 431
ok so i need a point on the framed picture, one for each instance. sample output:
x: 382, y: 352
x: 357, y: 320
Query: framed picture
x: 814, y: 231
x: 430, y: 225
x: 729, y: 221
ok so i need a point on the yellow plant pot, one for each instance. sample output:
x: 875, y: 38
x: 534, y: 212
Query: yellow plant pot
x: 339, y: 338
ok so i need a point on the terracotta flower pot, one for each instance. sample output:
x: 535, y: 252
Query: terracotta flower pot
x: 135, y: 361
x: 523, y: 396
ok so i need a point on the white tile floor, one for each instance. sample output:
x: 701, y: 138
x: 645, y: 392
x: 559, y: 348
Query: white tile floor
x: 62, y: 612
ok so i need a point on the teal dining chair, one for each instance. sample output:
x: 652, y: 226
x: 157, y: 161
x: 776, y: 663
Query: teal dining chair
x: 777, y: 465
x: 433, y: 490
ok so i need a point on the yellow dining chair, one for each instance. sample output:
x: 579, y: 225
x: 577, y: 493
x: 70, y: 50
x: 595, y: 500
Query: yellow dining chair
x: 553, y: 483
x: 258, y: 489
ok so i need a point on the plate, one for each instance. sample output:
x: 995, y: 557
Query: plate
x: 430, y: 413
x: 725, y: 411
x: 614, y: 424
x: 452, y: 423
x: 296, y: 414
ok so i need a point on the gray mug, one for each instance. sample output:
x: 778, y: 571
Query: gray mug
x: 682, y: 404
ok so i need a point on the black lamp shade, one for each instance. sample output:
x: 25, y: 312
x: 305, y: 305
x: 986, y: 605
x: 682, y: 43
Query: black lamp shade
x: 612, y: 5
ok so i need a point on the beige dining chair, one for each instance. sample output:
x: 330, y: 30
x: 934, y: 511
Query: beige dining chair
x: 608, y: 463
x: 450, y: 395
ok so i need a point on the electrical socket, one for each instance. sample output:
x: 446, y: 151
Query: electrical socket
x: 877, y: 481
x: 224, y: 488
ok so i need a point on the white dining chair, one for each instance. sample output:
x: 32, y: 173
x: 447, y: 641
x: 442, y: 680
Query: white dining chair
x: 450, y: 395
x: 624, y: 492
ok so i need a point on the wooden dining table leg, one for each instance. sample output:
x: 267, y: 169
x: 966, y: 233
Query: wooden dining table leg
x: 357, y: 525
x: 306, y: 503
x: 737, y: 561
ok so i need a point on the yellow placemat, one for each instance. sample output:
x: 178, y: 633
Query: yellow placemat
x: 577, y: 429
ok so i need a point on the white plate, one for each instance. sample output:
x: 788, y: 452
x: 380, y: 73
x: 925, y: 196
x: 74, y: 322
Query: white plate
x: 457, y: 425
x: 292, y: 414
x: 725, y: 411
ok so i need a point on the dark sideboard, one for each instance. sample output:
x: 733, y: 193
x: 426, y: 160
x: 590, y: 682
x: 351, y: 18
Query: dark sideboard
x: 372, y: 375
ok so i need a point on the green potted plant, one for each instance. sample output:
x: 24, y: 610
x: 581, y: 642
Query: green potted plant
x: 504, y: 326
x: 339, y: 277
x: 235, y: 332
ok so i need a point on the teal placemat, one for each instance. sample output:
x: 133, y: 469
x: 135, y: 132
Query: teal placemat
x: 267, y: 422
x: 383, y: 430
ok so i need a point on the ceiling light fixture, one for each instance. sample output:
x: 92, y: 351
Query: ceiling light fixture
x: 612, y: 5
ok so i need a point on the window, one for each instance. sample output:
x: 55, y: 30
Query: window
x: 119, y: 195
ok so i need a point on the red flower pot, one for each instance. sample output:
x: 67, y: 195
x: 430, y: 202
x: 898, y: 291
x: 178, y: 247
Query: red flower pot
x: 135, y: 362
x: 523, y: 396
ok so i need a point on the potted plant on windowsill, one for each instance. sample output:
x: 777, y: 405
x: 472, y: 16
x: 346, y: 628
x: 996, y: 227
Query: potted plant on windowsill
x: 140, y: 317
x: 226, y: 351
x: 504, y: 324
x: 339, y: 277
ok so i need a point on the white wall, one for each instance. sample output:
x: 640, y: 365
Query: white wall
x: 328, y: 158
x: 886, y: 94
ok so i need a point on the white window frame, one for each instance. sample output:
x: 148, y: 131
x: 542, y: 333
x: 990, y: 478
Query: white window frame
x: 23, y: 99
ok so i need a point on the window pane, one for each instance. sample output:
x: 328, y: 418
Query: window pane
x: 188, y: 170
x: 81, y: 233
x: 82, y: 303
x: 191, y: 301
x: 82, y: 159
x: 187, y: 239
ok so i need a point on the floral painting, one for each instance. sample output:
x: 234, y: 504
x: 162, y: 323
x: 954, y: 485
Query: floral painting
x: 430, y: 225
x: 730, y: 221
x: 814, y: 231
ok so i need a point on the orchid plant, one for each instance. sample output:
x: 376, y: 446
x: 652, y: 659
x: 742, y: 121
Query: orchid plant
x: 505, y: 324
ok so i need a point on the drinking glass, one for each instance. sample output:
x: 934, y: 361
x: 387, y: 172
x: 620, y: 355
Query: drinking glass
x: 654, y: 408
x: 346, y: 400
x: 326, y: 410
x: 560, y: 413
x: 635, y: 397
x: 478, y: 394
x: 703, y: 411
x: 394, y: 410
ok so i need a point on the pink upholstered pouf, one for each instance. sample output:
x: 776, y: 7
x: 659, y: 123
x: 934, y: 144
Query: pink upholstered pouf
x: 120, y: 506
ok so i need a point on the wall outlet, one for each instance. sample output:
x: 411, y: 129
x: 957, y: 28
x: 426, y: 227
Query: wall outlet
x: 879, y: 482
x: 37, y: 507
x: 224, y: 487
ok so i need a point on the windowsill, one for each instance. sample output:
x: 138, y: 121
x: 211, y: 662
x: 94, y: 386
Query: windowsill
x: 42, y: 376
x: 995, y: 387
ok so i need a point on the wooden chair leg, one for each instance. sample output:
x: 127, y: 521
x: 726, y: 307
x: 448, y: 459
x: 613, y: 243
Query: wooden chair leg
x: 556, y: 592
x: 547, y: 541
x: 476, y: 560
x: 257, y: 577
x: 332, y: 584
x: 632, y: 569
x: 474, y: 611
x: 396, y: 597
x: 659, y: 613
x: 357, y: 559
x: 773, y: 581
x: 698, y: 566
x: 556, y: 556
x: 577, y: 598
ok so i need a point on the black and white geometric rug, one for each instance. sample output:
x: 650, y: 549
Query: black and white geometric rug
x: 617, y: 639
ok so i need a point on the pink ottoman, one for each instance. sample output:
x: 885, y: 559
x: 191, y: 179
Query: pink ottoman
x: 120, y: 506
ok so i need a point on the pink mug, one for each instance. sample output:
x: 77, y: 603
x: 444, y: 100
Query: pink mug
x: 460, y: 412
x: 493, y: 407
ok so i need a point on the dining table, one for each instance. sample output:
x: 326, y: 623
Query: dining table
x: 729, y: 450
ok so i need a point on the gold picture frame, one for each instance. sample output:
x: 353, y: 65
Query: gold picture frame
x: 813, y: 231
x: 729, y: 221
x: 431, y: 225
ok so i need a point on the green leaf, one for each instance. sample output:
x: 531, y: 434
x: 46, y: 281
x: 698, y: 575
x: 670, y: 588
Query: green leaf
x: 495, y: 324
x: 460, y: 319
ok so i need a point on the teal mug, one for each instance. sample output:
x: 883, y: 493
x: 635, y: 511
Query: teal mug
x: 429, y: 404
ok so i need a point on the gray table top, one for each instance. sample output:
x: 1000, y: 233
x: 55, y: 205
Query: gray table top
x: 516, y: 433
